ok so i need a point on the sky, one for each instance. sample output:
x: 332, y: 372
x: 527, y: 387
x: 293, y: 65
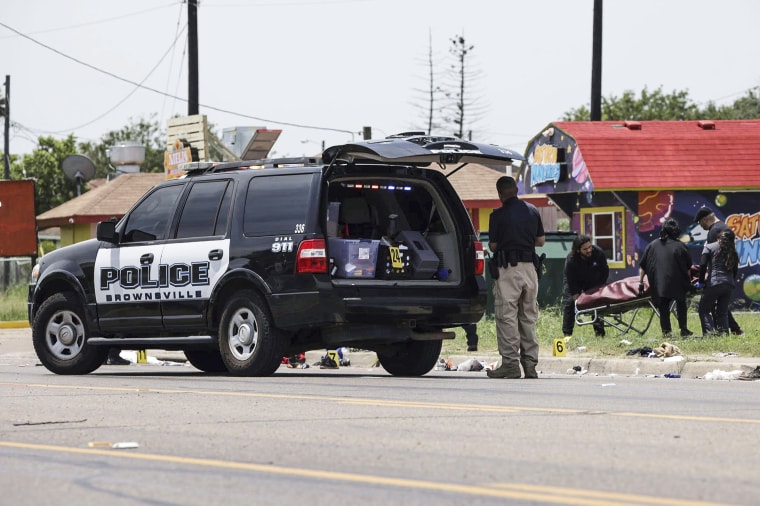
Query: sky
x: 321, y: 70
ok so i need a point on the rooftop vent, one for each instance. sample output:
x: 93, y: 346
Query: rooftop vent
x: 632, y: 125
x: 706, y: 125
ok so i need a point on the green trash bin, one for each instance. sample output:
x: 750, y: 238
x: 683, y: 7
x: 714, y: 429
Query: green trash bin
x: 558, y: 245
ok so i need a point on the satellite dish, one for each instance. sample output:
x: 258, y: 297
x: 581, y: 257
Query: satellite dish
x: 78, y: 168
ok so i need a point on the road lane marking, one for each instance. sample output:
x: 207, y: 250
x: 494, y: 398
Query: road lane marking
x: 393, y: 403
x: 539, y: 493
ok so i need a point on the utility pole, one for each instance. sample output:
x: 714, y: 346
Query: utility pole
x: 7, y: 116
x: 596, y: 64
x: 192, y: 57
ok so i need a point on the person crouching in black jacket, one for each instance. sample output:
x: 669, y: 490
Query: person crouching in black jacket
x: 585, y: 268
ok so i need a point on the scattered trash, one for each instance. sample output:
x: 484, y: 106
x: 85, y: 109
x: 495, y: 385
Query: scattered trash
x: 470, y: 364
x: 577, y: 370
x: 667, y: 350
x: 726, y: 354
x: 625, y: 342
x: 608, y: 384
x: 581, y: 348
x: 441, y: 365
x: 752, y: 375
x: 671, y: 375
x: 118, y: 446
x: 717, y: 374
x: 644, y: 351
x: 125, y: 445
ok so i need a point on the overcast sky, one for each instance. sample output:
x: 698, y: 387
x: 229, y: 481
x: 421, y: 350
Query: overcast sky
x: 335, y: 66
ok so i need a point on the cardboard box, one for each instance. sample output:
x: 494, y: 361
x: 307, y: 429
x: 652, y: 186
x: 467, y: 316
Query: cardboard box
x: 353, y: 258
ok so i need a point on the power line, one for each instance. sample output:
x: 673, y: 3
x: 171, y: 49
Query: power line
x: 148, y: 88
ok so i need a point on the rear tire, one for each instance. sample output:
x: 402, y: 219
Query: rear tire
x: 59, y: 335
x: 414, y: 358
x: 206, y: 360
x: 249, y: 343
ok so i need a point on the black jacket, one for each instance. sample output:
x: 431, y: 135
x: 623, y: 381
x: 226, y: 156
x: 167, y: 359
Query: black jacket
x: 583, y: 274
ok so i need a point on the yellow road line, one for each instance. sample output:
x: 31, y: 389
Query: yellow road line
x: 392, y: 403
x: 524, y: 492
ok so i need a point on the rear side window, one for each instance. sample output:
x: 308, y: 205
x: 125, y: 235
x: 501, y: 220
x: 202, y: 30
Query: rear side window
x: 277, y: 204
x: 205, y: 212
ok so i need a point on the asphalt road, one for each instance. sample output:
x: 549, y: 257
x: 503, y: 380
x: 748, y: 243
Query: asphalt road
x: 358, y: 435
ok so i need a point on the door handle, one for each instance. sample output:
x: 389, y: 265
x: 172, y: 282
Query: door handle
x: 215, y: 254
x: 146, y: 259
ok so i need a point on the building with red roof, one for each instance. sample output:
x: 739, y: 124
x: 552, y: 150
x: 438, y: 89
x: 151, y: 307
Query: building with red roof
x: 620, y: 180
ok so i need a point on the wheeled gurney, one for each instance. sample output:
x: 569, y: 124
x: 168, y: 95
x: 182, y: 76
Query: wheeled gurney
x: 617, y: 304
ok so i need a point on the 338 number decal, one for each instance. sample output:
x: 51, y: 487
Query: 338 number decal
x: 300, y: 227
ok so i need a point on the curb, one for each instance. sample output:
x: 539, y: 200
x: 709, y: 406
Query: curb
x: 18, y: 324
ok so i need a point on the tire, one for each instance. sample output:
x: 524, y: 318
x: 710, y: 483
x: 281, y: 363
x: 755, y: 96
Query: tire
x: 206, y: 360
x: 249, y: 343
x: 414, y: 358
x: 59, y: 335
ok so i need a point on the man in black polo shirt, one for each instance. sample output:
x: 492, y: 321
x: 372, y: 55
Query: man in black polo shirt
x: 514, y: 231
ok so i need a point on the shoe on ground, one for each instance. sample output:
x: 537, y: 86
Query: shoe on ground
x: 472, y: 348
x: 327, y: 363
x: 530, y: 371
x: 686, y: 333
x: 739, y: 332
x: 115, y: 359
x: 508, y: 371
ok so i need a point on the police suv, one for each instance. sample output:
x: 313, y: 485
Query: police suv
x: 240, y: 264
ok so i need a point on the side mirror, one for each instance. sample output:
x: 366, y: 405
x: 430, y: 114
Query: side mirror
x: 106, y: 231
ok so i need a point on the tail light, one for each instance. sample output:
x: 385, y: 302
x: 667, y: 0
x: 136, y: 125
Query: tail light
x: 480, y: 258
x: 311, y: 257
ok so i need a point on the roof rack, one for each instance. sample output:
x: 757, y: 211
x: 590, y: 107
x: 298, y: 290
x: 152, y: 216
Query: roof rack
x: 198, y: 168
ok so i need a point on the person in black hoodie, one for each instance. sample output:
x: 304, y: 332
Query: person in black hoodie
x: 666, y: 262
x: 585, y: 268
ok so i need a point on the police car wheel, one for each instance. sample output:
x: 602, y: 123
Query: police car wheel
x: 414, y: 358
x: 59, y: 335
x: 206, y: 360
x: 249, y: 343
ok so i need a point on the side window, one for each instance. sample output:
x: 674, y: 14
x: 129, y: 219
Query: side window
x: 202, y: 210
x: 606, y: 226
x: 277, y: 204
x: 150, y: 220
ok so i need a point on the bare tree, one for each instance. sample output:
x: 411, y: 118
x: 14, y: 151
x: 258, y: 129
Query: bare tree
x: 463, y: 109
x: 430, y: 93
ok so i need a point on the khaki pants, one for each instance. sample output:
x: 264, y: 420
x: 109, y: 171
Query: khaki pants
x: 516, y: 311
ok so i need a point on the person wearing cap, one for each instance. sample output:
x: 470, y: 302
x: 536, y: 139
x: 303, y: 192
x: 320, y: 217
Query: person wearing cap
x: 706, y: 219
x: 666, y: 262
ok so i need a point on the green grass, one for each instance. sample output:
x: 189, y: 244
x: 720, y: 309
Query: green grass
x: 13, y: 303
x: 549, y: 327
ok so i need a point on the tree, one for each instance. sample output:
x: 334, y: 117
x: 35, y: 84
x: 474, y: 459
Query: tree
x: 463, y: 111
x: 44, y: 165
x: 431, y: 92
x: 677, y: 105
x: 146, y: 132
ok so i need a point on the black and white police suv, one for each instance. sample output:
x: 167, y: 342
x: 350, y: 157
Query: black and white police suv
x: 240, y: 264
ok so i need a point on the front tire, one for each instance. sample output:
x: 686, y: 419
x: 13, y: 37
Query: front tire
x: 249, y: 343
x: 206, y: 360
x: 414, y: 358
x: 59, y: 335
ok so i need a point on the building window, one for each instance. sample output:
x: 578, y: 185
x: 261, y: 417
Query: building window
x: 606, y: 227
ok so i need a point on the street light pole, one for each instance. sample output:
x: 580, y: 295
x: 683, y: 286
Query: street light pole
x: 7, y: 116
